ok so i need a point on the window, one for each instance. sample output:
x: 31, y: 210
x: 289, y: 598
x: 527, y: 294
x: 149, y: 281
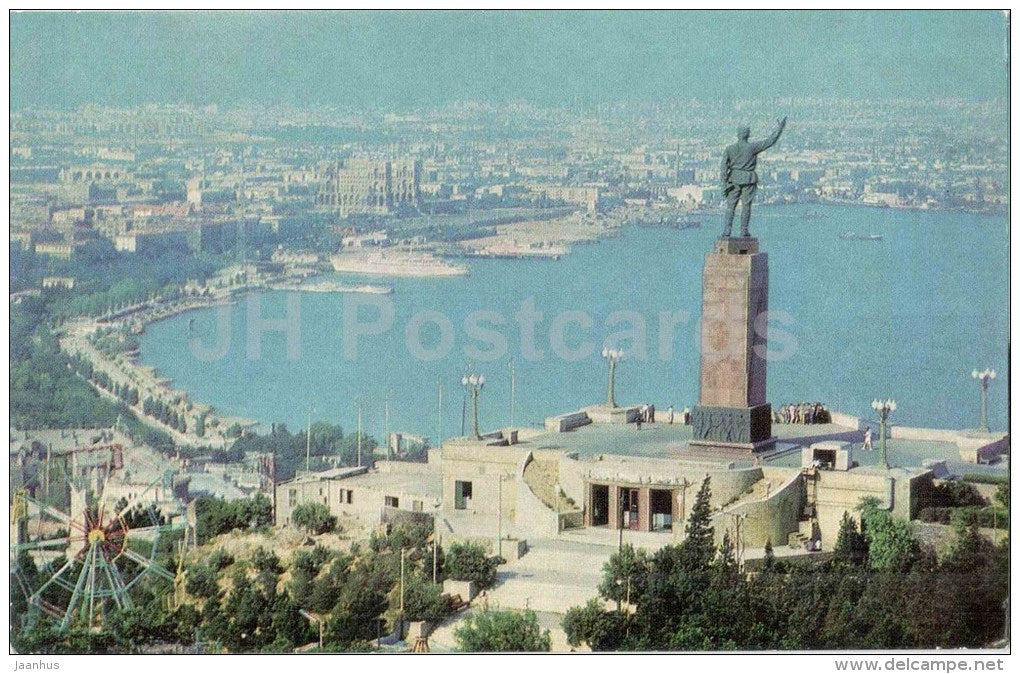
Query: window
x: 461, y: 495
x: 346, y: 496
x: 292, y: 496
x: 416, y: 506
x: 392, y: 502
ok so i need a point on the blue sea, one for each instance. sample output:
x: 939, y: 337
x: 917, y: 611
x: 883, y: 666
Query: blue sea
x: 908, y: 318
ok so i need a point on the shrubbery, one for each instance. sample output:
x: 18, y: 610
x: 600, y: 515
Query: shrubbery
x: 313, y: 516
x: 501, y: 632
x: 468, y: 561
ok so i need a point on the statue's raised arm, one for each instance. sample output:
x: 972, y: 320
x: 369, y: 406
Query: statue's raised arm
x: 765, y: 144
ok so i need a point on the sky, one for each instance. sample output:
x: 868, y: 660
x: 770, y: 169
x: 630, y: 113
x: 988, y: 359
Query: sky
x: 421, y: 59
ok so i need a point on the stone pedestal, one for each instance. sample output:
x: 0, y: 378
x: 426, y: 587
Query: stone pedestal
x: 604, y: 414
x: 732, y: 412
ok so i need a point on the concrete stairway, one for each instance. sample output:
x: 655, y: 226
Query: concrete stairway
x: 799, y: 539
x: 553, y: 576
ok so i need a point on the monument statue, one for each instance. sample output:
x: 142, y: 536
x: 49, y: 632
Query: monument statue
x: 740, y: 181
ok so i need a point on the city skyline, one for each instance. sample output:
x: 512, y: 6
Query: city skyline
x: 408, y: 60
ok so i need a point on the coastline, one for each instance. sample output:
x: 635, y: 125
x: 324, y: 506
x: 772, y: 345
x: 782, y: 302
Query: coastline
x: 169, y: 309
x: 124, y: 368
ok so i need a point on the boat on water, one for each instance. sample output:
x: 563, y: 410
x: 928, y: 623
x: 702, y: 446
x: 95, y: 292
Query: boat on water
x: 329, y: 287
x: 670, y: 223
x: 518, y: 252
x: 396, y: 263
x: 365, y: 288
x: 851, y: 236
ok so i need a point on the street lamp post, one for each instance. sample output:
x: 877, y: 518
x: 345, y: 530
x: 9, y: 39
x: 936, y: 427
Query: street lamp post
x: 474, y: 384
x: 308, y: 441
x: 884, y: 409
x: 613, y: 356
x: 984, y: 378
x: 359, y: 432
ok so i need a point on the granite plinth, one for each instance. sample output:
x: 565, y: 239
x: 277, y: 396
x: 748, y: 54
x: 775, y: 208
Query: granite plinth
x: 730, y: 450
x: 732, y: 425
x: 734, y: 335
x: 732, y: 416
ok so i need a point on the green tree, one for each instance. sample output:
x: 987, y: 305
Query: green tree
x: 355, y: 615
x: 263, y: 560
x: 1002, y: 494
x: 851, y: 545
x: 699, y: 542
x: 501, y: 632
x: 314, y: 517
x: 891, y: 544
x: 423, y: 599
x: 201, y: 581
x: 591, y: 624
x: 469, y: 561
x: 625, y: 575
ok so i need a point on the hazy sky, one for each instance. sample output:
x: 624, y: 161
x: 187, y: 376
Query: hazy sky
x: 412, y: 59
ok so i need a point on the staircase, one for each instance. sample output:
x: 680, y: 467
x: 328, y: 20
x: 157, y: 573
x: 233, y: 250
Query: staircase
x: 800, y: 538
x: 555, y: 575
x: 809, y: 512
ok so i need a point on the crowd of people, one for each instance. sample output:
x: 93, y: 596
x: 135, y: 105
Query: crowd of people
x: 801, y: 413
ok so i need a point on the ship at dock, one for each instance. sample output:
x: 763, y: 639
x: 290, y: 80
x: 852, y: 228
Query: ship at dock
x: 329, y: 287
x: 851, y: 236
x: 396, y: 263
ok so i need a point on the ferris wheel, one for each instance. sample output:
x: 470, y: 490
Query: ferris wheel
x: 106, y: 550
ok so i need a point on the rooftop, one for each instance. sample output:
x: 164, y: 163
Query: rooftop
x: 660, y: 439
x: 428, y: 482
x: 669, y: 441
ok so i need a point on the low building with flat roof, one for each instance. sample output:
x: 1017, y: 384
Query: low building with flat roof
x: 392, y: 491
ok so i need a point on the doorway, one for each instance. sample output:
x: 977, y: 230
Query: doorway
x: 599, y: 505
x: 629, y: 507
x: 661, y: 505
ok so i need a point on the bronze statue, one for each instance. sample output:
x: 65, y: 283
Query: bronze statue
x: 739, y: 179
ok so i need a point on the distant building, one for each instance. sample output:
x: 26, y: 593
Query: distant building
x: 149, y: 241
x: 371, y: 186
x: 58, y: 249
x: 22, y: 239
x: 377, y: 238
x: 589, y: 197
x: 62, y: 282
x: 95, y: 173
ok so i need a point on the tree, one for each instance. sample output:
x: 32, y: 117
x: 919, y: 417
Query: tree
x: 591, y: 624
x: 354, y: 618
x: 468, y: 561
x: 891, y: 544
x: 625, y: 575
x: 201, y: 581
x: 325, y: 590
x: 423, y: 599
x: 700, y: 540
x: 315, y: 517
x: 135, y: 626
x: 502, y: 632
x: 769, y: 561
x: 1002, y: 494
x: 263, y: 560
x: 851, y: 545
